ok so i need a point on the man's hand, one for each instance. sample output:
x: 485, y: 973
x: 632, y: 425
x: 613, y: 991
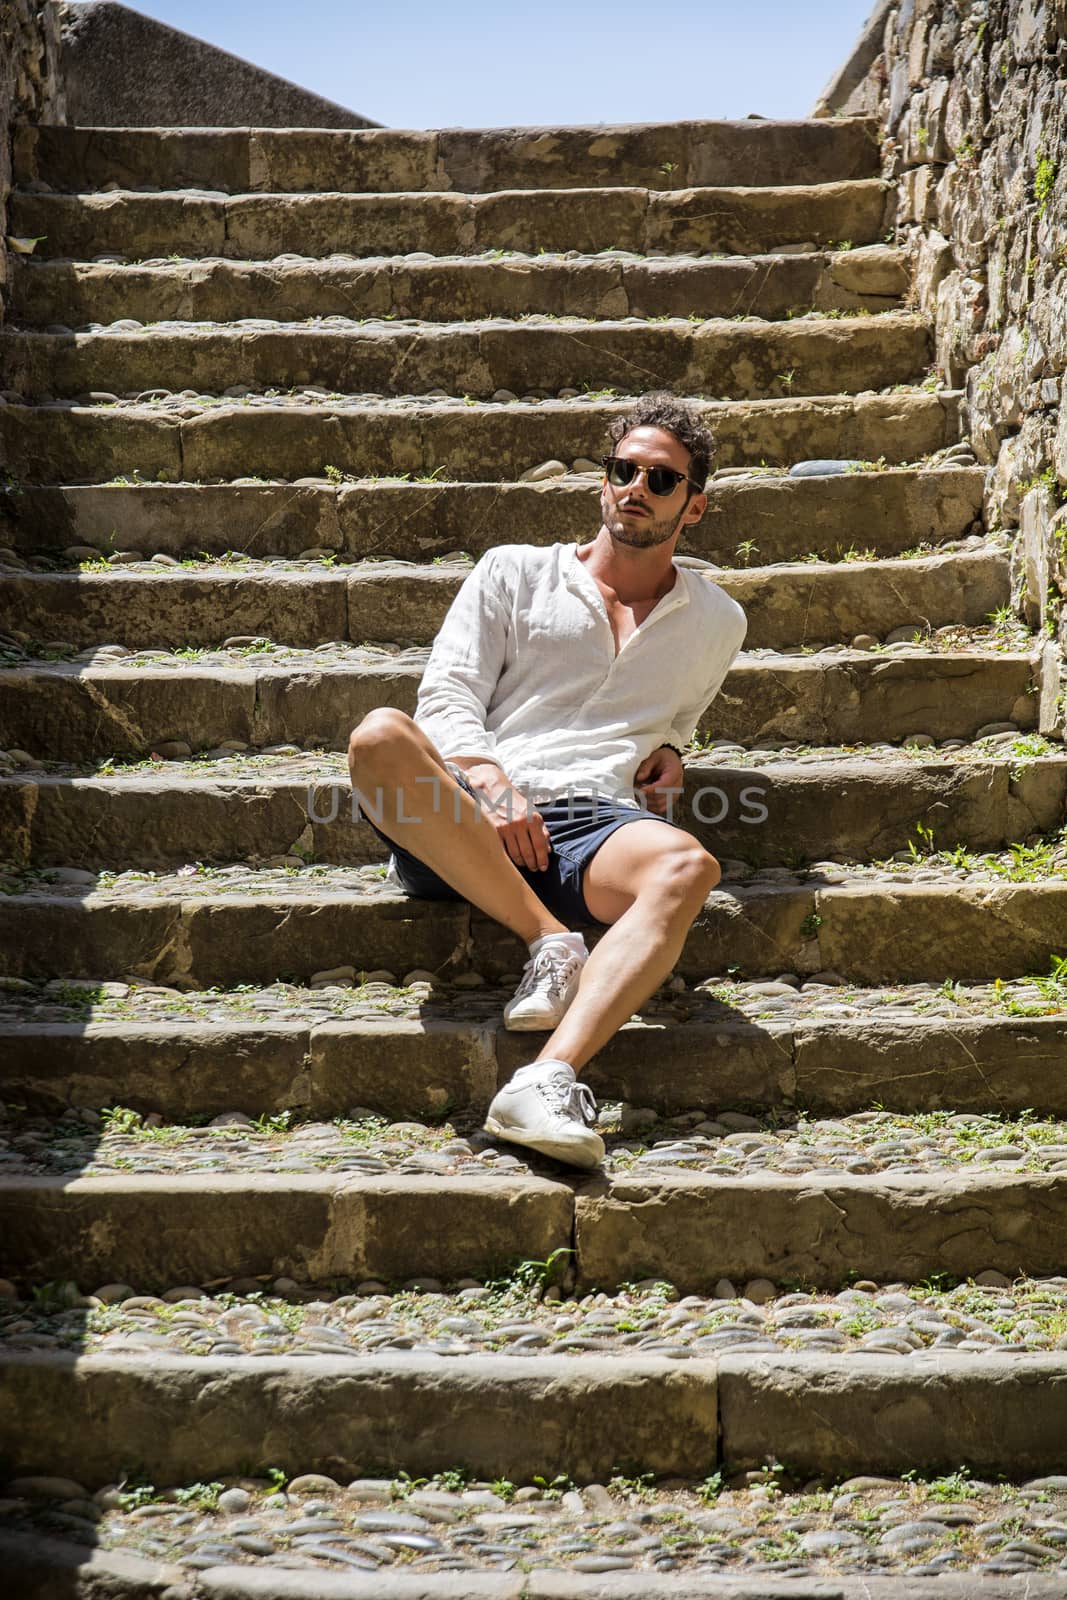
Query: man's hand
x: 658, y: 778
x: 518, y: 824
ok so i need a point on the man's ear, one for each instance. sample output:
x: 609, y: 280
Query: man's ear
x: 695, y: 509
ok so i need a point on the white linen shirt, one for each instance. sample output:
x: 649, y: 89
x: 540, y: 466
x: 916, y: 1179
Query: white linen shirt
x: 524, y: 671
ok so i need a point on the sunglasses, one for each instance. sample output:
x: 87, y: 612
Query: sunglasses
x: 662, y: 481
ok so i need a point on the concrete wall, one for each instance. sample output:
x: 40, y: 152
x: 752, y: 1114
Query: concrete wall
x: 973, y: 94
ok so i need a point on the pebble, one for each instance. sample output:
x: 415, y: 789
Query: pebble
x: 823, y: 468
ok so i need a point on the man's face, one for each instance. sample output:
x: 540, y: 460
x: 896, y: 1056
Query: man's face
x: 633, y: 515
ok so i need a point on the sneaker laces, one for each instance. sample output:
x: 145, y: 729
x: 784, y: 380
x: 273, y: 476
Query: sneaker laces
x: 551, y: 969
x: 567, y: 1097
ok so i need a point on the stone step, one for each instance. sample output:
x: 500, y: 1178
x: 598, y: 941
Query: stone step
x: 67, y: 443
x: 790, y: 606
x: 1004, y: 1413
x: 258, y: 227
x: 71, y: 711
x: 664, y: 155
x: 781, y: 518
x: 421, y: 1052
x: 871, y: 278
x: 844, y: 806
x: 196, y: 930
x: 690, y: 1228
x: 720, y: 359
x: 314, y: 1414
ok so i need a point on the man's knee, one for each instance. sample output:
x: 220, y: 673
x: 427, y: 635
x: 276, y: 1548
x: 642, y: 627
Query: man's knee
x: 380, y: 740
x: 688, y: 871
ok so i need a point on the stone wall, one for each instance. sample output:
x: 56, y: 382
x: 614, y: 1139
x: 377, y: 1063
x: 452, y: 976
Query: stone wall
x: 121, y: 69
x: 973, y: 94
x: 28, y: 90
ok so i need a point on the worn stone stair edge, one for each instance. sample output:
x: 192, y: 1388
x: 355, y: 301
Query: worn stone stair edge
x: 77, y: 712
x: 819, y: 1414
x: 811, y: 604
x: 68, y: 443
x: 874, y: 931
x: 870, y: 277
x: 745, y: 361
x: 166, y: 818
x: 889, y: 511
x: 735, y: 221
x: 34, y: 1565
x: 408, y: 1067
x: 690, y: 1229
x: 438, y: 160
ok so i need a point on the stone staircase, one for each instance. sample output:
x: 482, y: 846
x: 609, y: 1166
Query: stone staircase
x: 269, y: 395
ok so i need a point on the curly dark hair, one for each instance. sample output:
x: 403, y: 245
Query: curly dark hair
x: 661, y: 409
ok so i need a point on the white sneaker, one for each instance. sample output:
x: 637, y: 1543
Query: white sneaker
x: 545, y: 1108
x: 549, y: 984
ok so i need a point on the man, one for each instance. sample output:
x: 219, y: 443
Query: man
x: 564, y: 679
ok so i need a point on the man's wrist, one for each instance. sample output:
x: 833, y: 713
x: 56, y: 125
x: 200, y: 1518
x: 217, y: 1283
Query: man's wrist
x: 674, y: 748
x: 484, y: 774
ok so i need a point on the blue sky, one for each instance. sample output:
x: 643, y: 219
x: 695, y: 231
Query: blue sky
x: 480, y: 63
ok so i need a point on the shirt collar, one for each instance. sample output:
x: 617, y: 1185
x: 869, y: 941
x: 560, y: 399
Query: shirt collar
x: 578, y: 578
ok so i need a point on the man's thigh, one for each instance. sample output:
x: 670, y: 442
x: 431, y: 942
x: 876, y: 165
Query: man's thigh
x: 627, y: 862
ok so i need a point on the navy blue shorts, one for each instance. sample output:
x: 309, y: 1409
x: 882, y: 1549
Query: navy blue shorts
x: 576, y: 827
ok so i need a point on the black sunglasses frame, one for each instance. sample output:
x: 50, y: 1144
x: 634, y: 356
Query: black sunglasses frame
x: 612, y: 463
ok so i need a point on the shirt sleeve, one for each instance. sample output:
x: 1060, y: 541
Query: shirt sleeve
x: 466, y: 662
x: 734, y: 626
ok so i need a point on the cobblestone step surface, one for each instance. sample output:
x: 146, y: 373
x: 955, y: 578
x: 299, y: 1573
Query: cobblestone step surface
x: 447, y: 288
x: 258, y: 693
x: 522, y: 1316
x: 247, y: 227
x: 292, y: 810
x: 424, y: 1048
x: 889, y: 511
x: 218, y: 440
x: 384, y: 159
x: 91, y: 1573
x: 718, y: 360
x: 200, y: 928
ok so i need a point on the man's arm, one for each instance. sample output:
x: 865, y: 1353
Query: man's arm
x: 518, y: 823
x: 660, y: 776
x: 457, y: 688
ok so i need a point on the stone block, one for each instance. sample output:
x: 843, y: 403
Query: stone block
x: 401, y: 1068
x: 881, y: 1414
x: 309, y: 1227
x: 500, y: 1416
x: 1035, y: 553
x: 876, y: 933
x: 694, y: 1229
x: 199, y: 1069
x: 999, y: 1066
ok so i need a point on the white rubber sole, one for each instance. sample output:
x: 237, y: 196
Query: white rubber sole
x: 532, y: 1024
x: 560, y: 1150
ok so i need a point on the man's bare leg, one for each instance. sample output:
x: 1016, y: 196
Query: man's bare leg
x: 649, y: 882
x: 388, y: 755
